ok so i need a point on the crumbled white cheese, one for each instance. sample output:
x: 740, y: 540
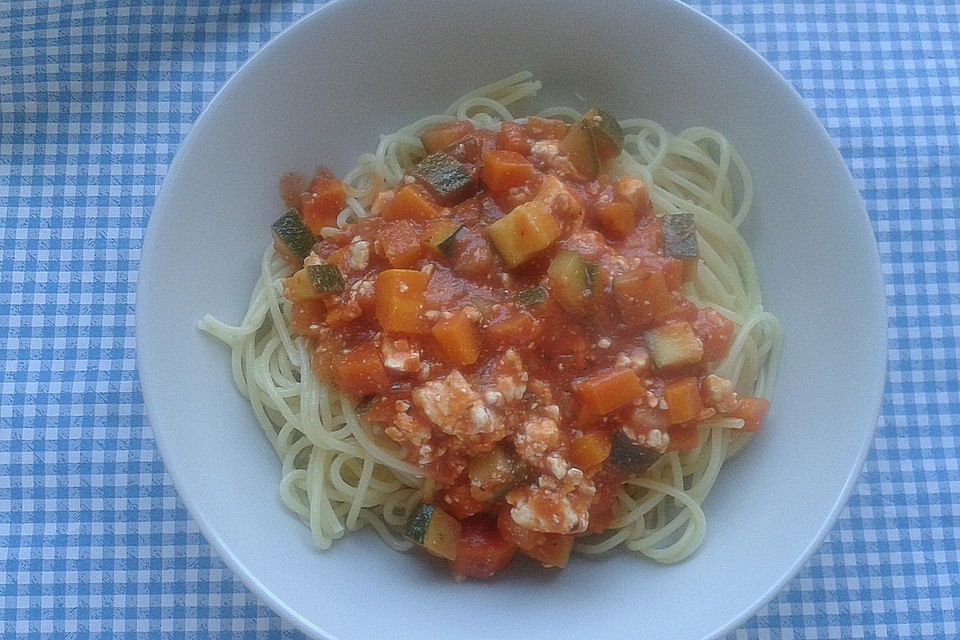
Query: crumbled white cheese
x: 604, y: 343
x: 544, y: 148
x: 560, y: 200
x: 400, y: 356
x: 554, y: 505
x: 453, y: 405
x: 494, y: 398
x: 557, y: 465
x: 360, y: 255
x: 658, y: 439
x: 633, y: 191
x: 536, y: 437
x: 552, y: 411
x: 720, y: 393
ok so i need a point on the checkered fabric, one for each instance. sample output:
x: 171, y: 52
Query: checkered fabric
x: 95, y: 96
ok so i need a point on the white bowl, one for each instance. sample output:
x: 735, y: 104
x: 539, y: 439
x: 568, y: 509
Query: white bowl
x: 321, y: 93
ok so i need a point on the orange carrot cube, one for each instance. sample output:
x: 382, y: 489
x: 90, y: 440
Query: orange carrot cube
x: 589, y: 450
x: 400, y: 300
x: 410, y: 202
x: 611, y: 389
x: 504, y: 170
x: 457, y: 336
x: 617, y: 219
x: 683, y: 400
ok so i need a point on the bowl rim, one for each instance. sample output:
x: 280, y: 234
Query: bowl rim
x: 150, y: 401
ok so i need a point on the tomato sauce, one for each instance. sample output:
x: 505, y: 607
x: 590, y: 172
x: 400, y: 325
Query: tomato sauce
x: 509, y: 320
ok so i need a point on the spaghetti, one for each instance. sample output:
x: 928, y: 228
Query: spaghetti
x: 341, y: 473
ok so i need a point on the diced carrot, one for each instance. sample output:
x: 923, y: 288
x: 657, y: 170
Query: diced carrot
x: 514, y: 329
x: 546, y: 128
x: 609, y: 390
x: 327, y: 346
x: 340, y: 313
x: 457, y: 336
x: 445, y: 135
x: 323, y: 203
x: 360, y: 373
x: 504, y: 170
x: 512, y: 137
x: 458, y: 502
x: 683, y: 400
x: 587, y: 418
x: 482, y: 551
x: 307, y: 317
x: 589, y: 450
x: 684, y: 438
x: 400, y: 243
x: 400, y: 300
x: 554, y: 551
x: 410, y: 202
x: 752, y: 411
x: 643, y: 298
x: 715, y: 332
x: 617, y: 219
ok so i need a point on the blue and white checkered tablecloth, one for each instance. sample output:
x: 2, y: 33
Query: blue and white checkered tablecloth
x: 95, y: 96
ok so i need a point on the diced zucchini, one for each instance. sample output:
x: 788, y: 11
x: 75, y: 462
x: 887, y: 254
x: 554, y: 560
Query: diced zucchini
x: 435, y: 530
x: 446, y: 177
x: 569, y: 279
x: 532, y: 297
x: 629, y: 456
x: 591, y: 270
x: 674, y: 345
x: 680, y: 236
x: 292, y: 237
x: 607, y: 134
x: 325, y: 278
x: 523, y: 233
x: 492, y: 474
x: 441, y: 238
x: 313, y: 282
x: 580, y: 149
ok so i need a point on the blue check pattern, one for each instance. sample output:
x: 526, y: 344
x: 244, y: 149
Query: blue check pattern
x: 95, y: 96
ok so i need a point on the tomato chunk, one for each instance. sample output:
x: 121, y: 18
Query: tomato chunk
x: 359, y: 373
x: 482, y: 551
x: 752, y: 411
x: 323, y: 203
x: 715, y: 332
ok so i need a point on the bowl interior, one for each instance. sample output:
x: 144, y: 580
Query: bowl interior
x: 321, y: 93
